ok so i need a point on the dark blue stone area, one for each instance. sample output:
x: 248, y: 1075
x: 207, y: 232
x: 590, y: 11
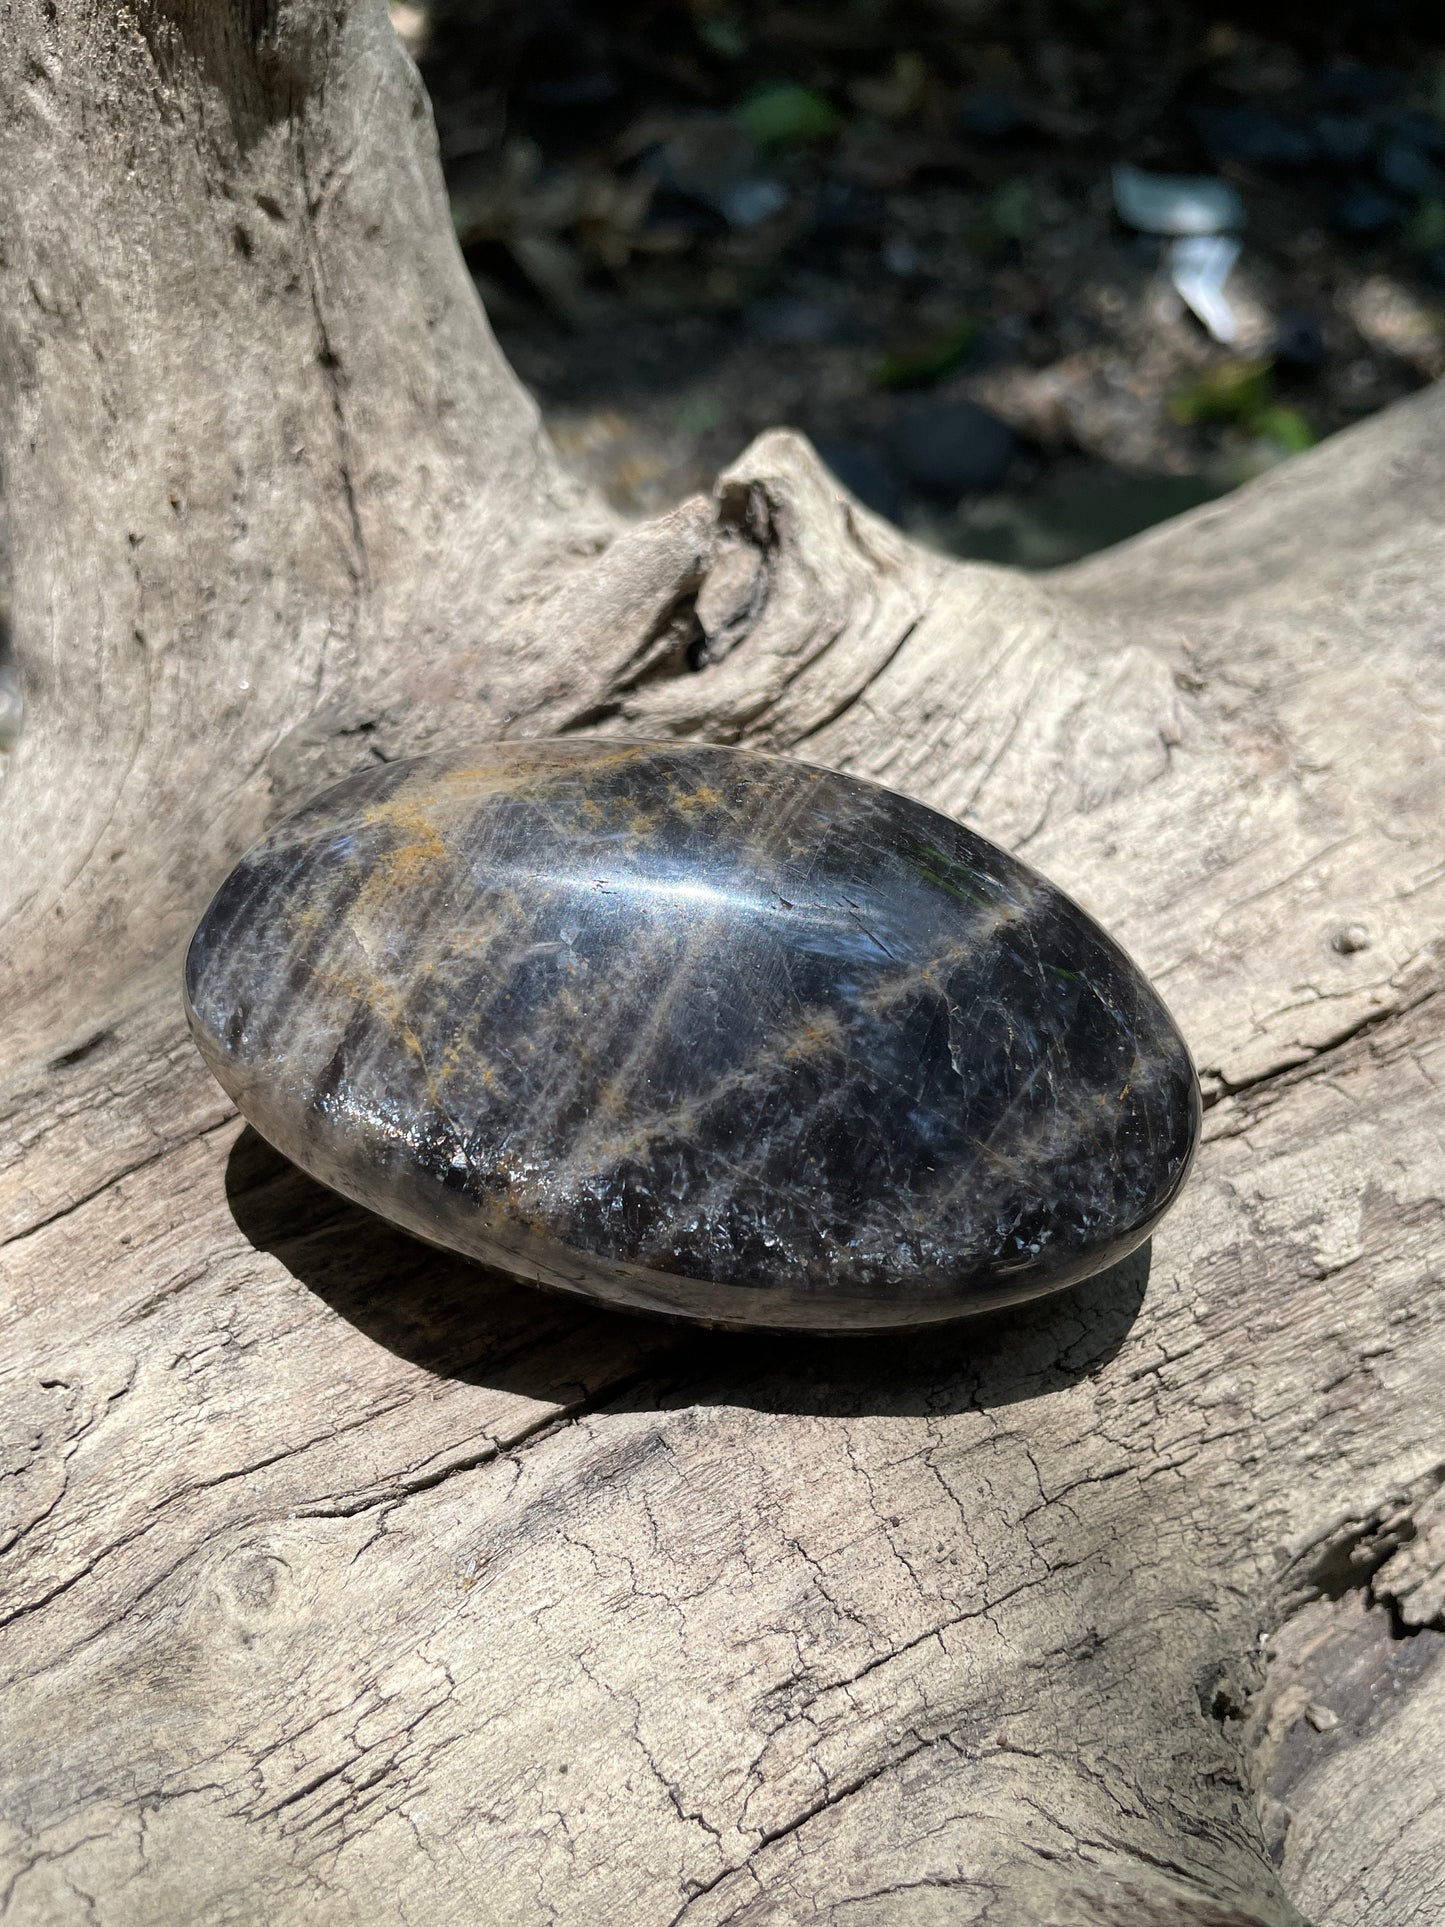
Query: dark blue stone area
x: 695, y: 1031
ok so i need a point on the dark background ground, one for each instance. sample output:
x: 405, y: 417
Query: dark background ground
x: 694, y: 219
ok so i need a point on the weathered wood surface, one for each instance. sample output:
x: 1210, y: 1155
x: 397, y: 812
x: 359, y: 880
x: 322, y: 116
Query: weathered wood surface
x: 342, y: 1583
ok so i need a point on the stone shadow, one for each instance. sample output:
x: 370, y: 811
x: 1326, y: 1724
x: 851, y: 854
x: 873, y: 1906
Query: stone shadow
x: 464, y: 1322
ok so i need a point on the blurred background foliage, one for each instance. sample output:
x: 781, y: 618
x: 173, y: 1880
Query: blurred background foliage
x: 896, y: 225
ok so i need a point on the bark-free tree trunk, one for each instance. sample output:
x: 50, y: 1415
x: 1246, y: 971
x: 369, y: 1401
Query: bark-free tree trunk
x: 346, y: 1583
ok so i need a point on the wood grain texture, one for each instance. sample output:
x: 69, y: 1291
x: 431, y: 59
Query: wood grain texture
x: 343, y: 1583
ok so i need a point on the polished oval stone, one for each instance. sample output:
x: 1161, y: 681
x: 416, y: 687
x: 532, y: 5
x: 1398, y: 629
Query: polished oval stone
x: 697, y: 1031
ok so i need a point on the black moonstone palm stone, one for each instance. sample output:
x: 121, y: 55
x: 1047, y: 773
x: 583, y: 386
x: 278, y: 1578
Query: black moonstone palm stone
x: 696, y: 1031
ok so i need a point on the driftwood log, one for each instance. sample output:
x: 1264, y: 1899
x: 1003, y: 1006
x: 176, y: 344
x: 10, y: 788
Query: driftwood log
x: 344, y: 1583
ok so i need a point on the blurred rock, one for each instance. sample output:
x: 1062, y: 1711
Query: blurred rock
x: 1075, y: 515
x: 884, y: 156
x: 791, y: 321
x: 1424, y: 130
x: 1257, y: 138
x: 1364, y: 209
x: 587, y: 87
x: 709, y: 162
x: 707, y: 158
x: 844, y: 208
x: 675, y: 222
x: 1405, y: 166
x: 1149, y: 250
x: 864, y: 473
x: 946, y: 449
x: 1299, y: 340
x: 753, y: 201
x: 1365, y: 86
x: 1346, y: 139
x: 987, y: 116
x: 1395, y: 321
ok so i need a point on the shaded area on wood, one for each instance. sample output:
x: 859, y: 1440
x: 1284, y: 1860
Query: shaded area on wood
x: 461, y: 1321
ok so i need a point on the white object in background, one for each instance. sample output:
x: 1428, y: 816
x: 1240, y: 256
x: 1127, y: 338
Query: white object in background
x: 1175, y: 203
x: 750, y: 202
x: 1199, y: 266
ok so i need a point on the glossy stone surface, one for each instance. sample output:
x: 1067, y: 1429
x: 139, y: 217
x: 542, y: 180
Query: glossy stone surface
x: 697, y: 1031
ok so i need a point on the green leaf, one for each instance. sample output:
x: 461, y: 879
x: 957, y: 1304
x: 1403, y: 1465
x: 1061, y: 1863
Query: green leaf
x: 920, y: 367
x: 1286, y: 428
x: 1425, y: 229
x: 723, y: 36
x: 1011, y: 209
x: 782, y: 114
x: 698, y: 414
x: 1235, y: 391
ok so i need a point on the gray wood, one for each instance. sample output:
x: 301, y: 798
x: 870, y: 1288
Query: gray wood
x: 342, y: 1583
